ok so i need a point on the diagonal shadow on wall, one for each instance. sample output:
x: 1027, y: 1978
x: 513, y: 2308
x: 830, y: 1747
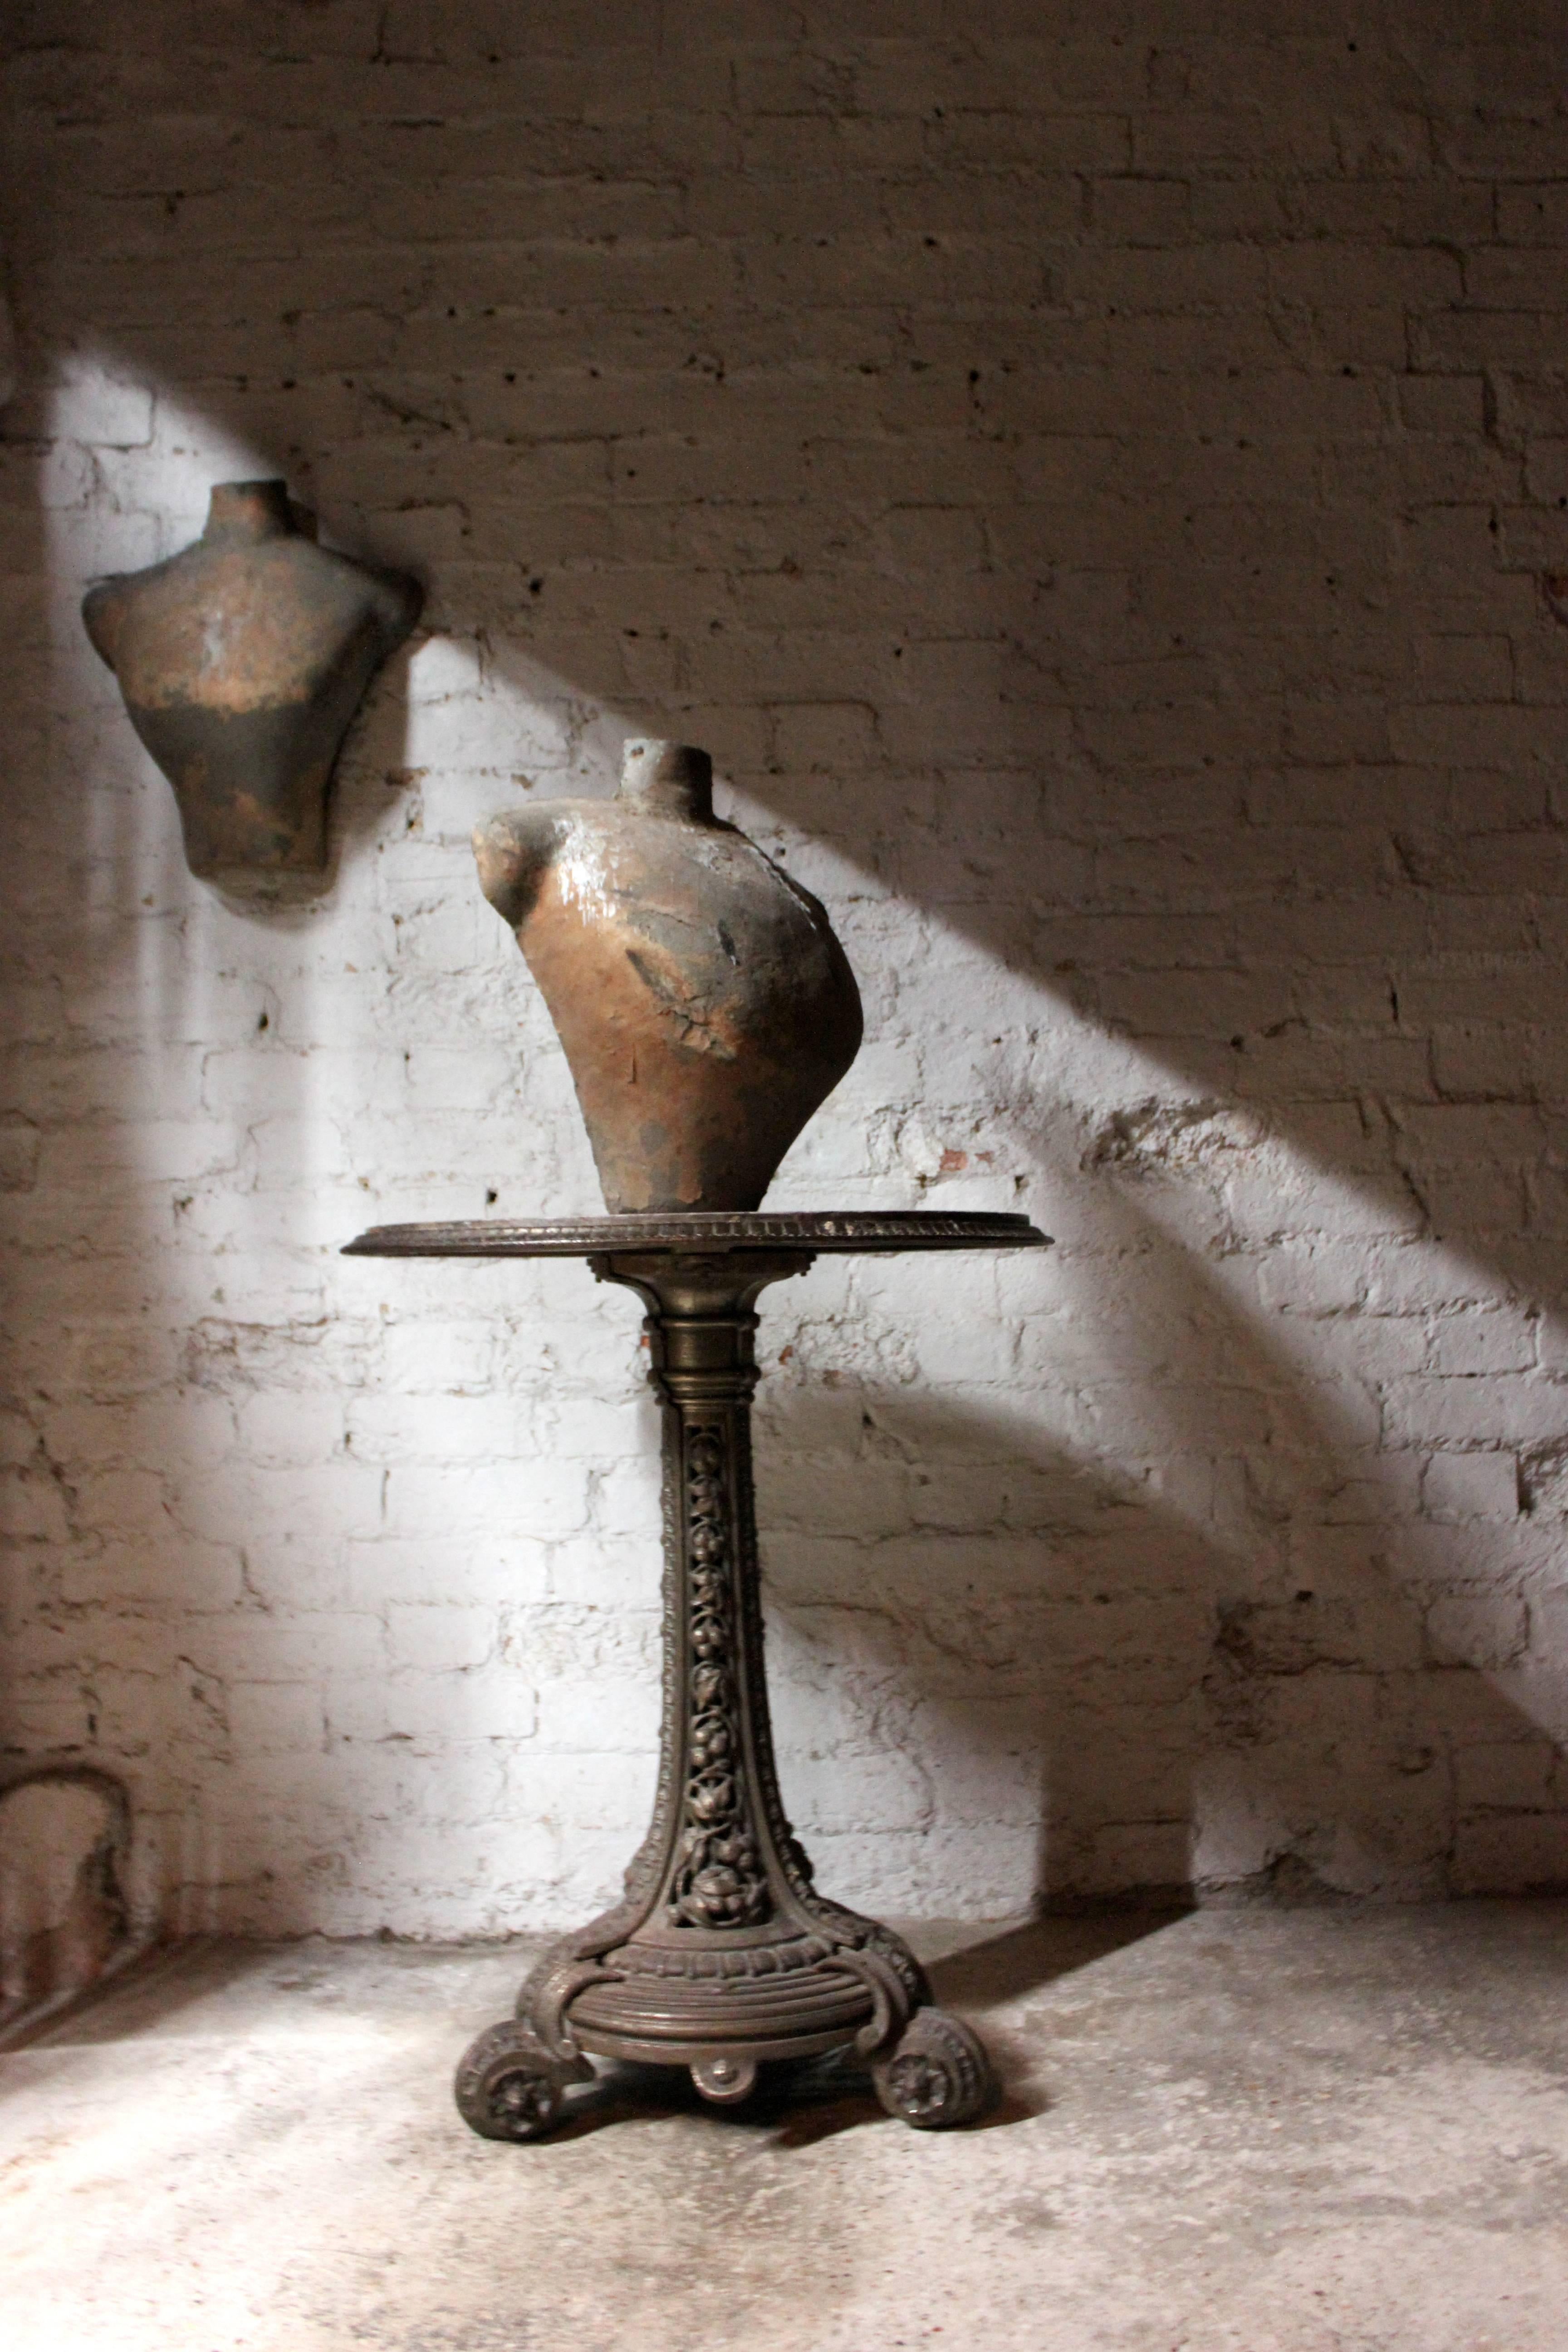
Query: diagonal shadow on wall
x: 1233, y: 1664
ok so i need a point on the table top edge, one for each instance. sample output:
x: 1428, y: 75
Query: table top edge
x: 702, y: 1234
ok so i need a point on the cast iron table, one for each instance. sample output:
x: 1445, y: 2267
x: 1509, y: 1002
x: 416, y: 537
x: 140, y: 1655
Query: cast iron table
x: 722, y: 1954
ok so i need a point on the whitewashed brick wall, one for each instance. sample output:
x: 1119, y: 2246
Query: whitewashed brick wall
x: 1098, y: 480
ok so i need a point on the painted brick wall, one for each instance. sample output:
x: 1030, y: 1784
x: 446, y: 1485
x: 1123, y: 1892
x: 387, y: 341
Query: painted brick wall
x: 1098, y: 480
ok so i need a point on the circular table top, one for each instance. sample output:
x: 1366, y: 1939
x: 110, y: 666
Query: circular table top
x: 703, y: 1233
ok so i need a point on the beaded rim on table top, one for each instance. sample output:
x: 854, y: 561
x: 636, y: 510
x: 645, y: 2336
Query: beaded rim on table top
x: 704, y: 1233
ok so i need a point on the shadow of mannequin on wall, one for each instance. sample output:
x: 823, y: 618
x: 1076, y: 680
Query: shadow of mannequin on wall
x: 1229, y: 1668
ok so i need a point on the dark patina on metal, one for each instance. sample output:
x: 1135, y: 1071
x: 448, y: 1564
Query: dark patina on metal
x: 242, y: 661
x: 721, y: 1956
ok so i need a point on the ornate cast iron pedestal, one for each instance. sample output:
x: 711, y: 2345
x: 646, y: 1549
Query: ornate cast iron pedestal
x: 720, y: 1954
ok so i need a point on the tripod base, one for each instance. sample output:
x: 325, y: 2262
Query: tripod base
x: 510, y: 2086
x: 721, y: 2003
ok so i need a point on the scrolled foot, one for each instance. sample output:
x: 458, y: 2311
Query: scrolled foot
x: 937, y: 2075
x: 509, y: 2086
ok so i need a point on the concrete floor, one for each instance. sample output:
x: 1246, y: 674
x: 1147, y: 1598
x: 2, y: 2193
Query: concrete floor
x: 1260, y: 2131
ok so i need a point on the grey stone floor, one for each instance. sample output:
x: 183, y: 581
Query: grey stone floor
x: 1268, y: 2131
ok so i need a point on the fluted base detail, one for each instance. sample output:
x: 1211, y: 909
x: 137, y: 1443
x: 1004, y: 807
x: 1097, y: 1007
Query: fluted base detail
x: 772, y: 1999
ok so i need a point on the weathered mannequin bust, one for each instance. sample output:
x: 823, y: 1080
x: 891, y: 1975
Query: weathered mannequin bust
x: 242, y: 661
x: 704, y: 1005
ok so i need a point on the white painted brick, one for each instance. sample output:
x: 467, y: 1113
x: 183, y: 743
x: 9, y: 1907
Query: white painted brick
x: 282, y: 1429
x: 437, y: 1636
x: 600, y: 1428
x: 1502, y: 1341
x: 298, y: 1646
x: 443, y: 1079
x: 1487, y: 1409
x: 848, y: 1790
x: 1470, y: 1485
x: 498, y: 1564
x: 320, y: 1500
x: 443, y: 1428
x: 1515, y: 1853
x: 1513, y: 1776
x: 32, y: 1507
x: 547, y: 1498
x: 626, y: 1498
x: 450, y: 1355
x: 160, y: 1567
x: 483, y: 1703
x: 106, y: 410
x: 608, y: 1711
x: 275, y: 1718
x: 1221, y: 936
x: 1476, y: 1632
x: 618, y: 1572
x: 358, y: 1706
